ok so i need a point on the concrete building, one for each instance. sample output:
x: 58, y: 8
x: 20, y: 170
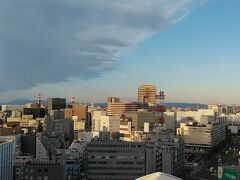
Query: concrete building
x: 96, y: 118
x: 19, y: 162
x: 36, y: 170
x: 13, y: 107
x: 116, y: 108
x: 56, y: 104
x: 125, y: 130
x: 6, y: 160
x: 199, y: 115
x: 108, y: 159
x: 170, y: 120
x: 7, y: 131
x: 232, y: 121
x: 78, y: 125
x: 113, y: 100
x: 201, y: 138
x: 138, y: 118
x: 16, y: 139
x: 57, y: 114
x: 224, y: 109
x: 115, y: 160
x: 147, y: 94
x: 28, y: 144
x: 78, y: 110
x: 41, y: 149
x: 36, y: 112
x: 60, y: 127
x: 109, y: 123
x: 168, y: 150
x: 119, y: 108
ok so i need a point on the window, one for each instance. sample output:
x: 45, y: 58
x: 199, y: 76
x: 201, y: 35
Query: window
x: 45, y: 178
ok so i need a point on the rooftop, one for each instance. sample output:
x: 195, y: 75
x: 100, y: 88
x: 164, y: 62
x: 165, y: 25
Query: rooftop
x: 159, y: 176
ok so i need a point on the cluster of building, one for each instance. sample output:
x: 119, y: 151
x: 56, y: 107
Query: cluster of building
x: 119, y: 141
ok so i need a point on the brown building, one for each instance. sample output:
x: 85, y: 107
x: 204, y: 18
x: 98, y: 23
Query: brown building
x: 147, y: 94
x: 78, y: 110
x: 119, y: 108
x: 6, y: 131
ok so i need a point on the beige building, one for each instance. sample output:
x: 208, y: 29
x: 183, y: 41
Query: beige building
x: 199, y: 115
x: 202, y: 138
x: 78, y: 125
x: 96, y: 118
x: 147, y: 94
x: 110, y: 123
x: 125, y: 130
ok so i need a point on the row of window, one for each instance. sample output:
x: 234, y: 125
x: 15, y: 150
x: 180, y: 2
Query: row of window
x: 117, y: 168
x: 111, y: 162
x: 114, y: 174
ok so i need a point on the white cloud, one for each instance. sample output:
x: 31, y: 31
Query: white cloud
x: 48, y: 41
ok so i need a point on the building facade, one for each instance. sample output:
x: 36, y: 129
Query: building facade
x: 6, y: 160
x: 56, y: 104
x: 119, y: 108
x: 121, y: 160
x: 202, y: 138
x: 147, y: 94
x: 140, y: 117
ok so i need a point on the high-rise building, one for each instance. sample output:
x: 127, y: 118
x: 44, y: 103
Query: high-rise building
x: 6, y: 160
x: 56, y: 104
x: 147, y: 94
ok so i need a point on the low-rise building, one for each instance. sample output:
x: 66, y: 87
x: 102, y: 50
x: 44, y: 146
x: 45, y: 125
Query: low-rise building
x: 138, y: 118
x: 108, y: 159
x: 202, y: 138
x: 42, y: 170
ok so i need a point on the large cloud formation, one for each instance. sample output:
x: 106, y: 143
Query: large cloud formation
x: 48, y: 41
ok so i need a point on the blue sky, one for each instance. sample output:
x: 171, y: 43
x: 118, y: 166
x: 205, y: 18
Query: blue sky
x: 193, y: 60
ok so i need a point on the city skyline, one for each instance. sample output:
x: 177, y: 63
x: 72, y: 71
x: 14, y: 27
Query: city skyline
x: 190, y: 50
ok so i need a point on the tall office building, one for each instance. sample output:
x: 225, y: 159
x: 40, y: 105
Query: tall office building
x: 56, y: 104
x: 147, y: 94
x: 6, y: 160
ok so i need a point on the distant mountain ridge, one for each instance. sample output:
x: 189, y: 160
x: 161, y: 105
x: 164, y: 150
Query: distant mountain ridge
x: 21, y: 101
